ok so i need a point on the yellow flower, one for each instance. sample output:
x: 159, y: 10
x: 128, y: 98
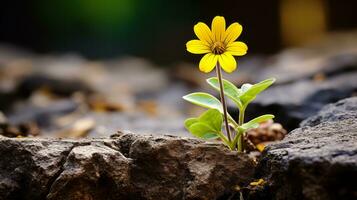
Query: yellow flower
x: 219, y: 45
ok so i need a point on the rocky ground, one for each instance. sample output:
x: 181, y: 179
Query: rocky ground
x: 126, y: 166
x: 57, y: 113
x: 317, y: 160
x: 56, y: 94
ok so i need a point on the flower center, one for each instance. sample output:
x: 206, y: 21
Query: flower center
x: 218, y: 48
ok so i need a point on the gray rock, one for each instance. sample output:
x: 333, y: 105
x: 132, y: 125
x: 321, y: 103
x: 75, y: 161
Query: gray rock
x: 140, y: 123
x: 314, y: 162
x: 61, y: 87
x: 43, y: 115
x: 123, y: 167
x: 7, y: 98
x: 28, y: 166
x: 93, y: 171
x: 294, y: 102
x: 344, y: 109
x: 297, y: 64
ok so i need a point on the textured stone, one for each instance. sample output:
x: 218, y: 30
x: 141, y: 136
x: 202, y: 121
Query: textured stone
x: 93, y: 171
x: 297, y: 64
x: 344, y: 109
x: 28, y: 166
x: 126, y: 166
x: 294, y: 102
x: 315, y: 162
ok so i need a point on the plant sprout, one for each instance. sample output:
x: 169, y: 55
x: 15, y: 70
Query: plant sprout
x: 219, y: 47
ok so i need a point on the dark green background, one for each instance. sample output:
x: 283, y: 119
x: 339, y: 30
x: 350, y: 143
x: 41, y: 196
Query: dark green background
x: 155, y: 29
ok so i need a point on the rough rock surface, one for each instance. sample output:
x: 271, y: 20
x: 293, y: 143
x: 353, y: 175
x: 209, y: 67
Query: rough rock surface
x: 298, y: 64
x: 344, y: 109
x: 291, y: 103
x: 125, y: 166
x: 314, y: 162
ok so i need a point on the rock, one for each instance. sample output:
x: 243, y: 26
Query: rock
x: 294, y: 102
x: 125, y: 166
x: 60, y: 87
x: 29, y: 166
x: 334, y: 56
x: 6, y: 100
x: 314, y: 162
x: 200, y: 172
x: 266, y: 132
x: 93, y: 171
x: 344, y: 109
x: 44, y: 114
x: 140, y: 123
x: 20, y: 130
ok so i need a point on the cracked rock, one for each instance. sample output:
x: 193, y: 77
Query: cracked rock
x: 316, y: 161
x: 344, y: 109
x: 125, y: 166
x: 28, y: 166
x: 92, y: 171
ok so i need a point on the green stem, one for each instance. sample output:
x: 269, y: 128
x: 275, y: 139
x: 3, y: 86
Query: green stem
x: 241, y: 116
x: 241, y: 133
x: 225, y: 140
x: 236, y: 140
x: 225, y: 113
x: 240, y: 142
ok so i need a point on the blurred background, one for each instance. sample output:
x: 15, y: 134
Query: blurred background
x: 158, y: 29
x: 76, y: 68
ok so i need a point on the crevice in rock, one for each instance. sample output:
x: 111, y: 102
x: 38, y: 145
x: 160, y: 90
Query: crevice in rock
x: 63, y: 161
x: 318, y: 163
x: 112, y: 146
x: 60, y: 171
x: 157, y: 168
x: 124, y: 143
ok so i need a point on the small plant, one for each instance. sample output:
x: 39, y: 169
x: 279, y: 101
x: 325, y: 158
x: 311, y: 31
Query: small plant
x: 219, y: 47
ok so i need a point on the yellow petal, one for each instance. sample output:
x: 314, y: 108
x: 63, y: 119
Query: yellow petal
x: 197, y: 47
x: 232, y: 33
x: 218, y: 28
x: 208, y: 62
x: 237, y: 48
x: 227, y: 62
x: 203, y: 32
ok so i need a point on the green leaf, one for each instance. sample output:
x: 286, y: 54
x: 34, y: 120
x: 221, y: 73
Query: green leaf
x: 243, y: 96
x: 213, y: 118
x: 245, y: 87
x: 189, y: 122
x: 207, y: 126
x: 210, y: 136
x: 249, y: 92
x: 254, y: 123
x: 262, y: 118
x: 205, y: 100
x: 229, y: 89
x: 202, y: 130
x: 208, y: 101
